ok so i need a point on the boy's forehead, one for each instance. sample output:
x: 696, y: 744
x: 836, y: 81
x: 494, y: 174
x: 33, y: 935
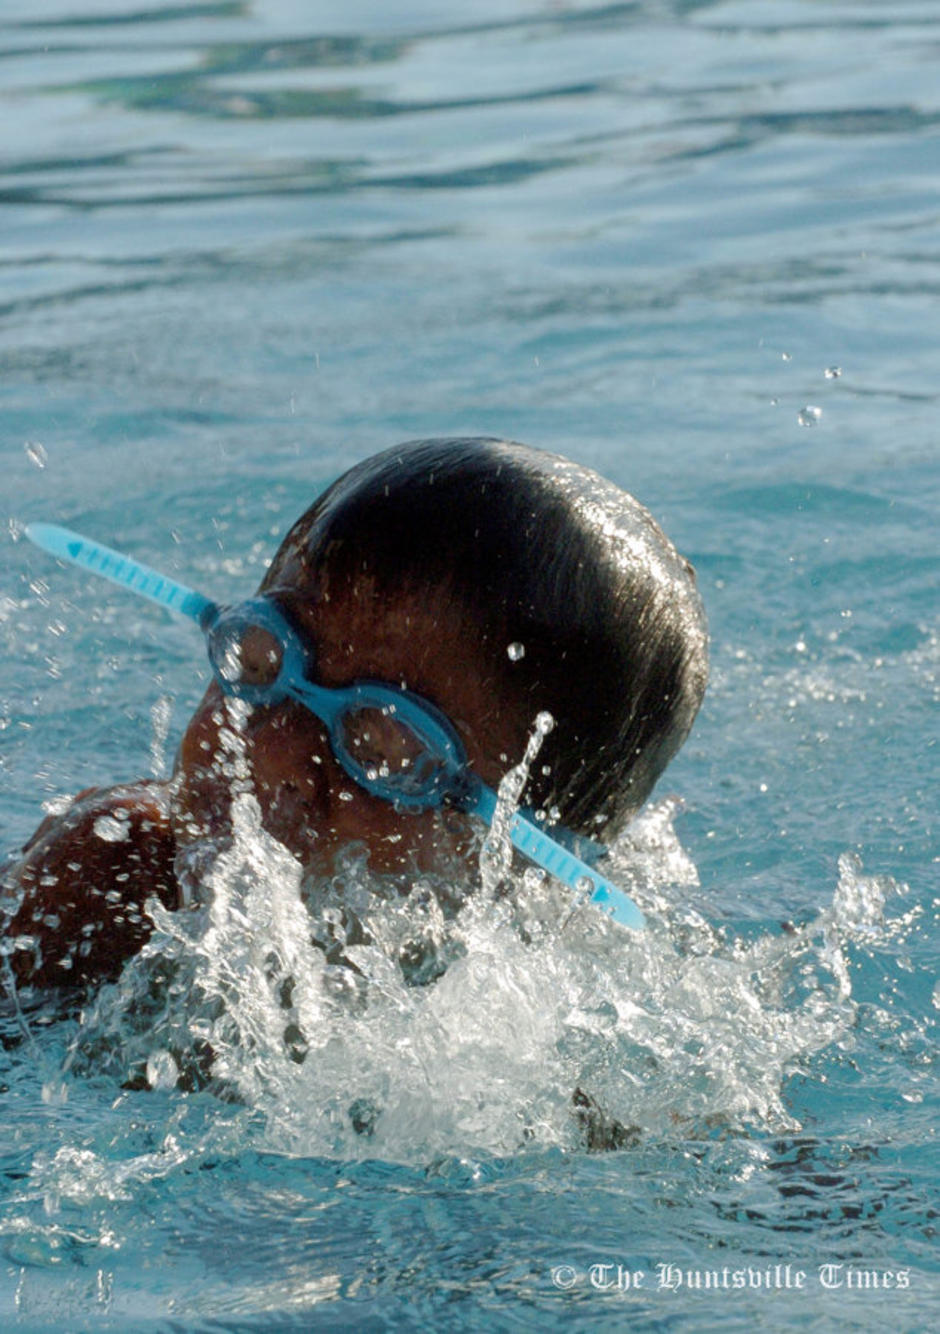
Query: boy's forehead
x: 346, y: 613
x: 405, y: 637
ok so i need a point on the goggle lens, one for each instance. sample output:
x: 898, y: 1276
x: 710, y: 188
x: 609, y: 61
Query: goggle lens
x: 384, y: 750
x: 247, y: 657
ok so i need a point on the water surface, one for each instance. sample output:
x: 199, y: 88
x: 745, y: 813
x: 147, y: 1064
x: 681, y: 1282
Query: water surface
x: 693, y: 245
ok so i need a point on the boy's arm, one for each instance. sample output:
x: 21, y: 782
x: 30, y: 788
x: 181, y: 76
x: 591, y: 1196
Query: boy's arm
x: 84, y: 877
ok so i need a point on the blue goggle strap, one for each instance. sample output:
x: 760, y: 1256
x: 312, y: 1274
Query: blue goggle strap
x: 546, y: 852
x: 68, y: 546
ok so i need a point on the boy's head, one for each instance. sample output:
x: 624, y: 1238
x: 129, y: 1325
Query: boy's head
x: 498, y: 582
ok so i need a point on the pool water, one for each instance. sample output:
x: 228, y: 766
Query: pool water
x: 693, y: 245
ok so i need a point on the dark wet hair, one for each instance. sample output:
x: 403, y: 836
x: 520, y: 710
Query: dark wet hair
x: 540, y: 552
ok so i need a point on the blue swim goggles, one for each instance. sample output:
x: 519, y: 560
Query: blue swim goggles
x: 259, y: 657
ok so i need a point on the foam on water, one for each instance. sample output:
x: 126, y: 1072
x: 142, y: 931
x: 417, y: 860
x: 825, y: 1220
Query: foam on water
x: 364, y: 1019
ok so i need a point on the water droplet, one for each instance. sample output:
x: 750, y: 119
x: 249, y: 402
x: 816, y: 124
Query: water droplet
x: 584, y: 886
x: 162, y: 1070
x: 785, y: 356
x: 161, y: 713
x: 832, y: 372
x: 541, y: 816
x: 544, y: 722
x: 57, y: 806
x: 546, y: 770
x: 111, y: 828
x: 55, y: 1093
x: 345, y: 796
x: 36, y: 453
x: 515, y: 651
x: 809, y: 416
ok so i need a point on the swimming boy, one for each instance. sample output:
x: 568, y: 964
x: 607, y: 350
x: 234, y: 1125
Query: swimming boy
x: 475, y: 582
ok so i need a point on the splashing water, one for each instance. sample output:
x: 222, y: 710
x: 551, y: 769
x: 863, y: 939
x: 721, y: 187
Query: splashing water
x: 496, y: 853
x: 161, y: 713
x: 355, y: 1019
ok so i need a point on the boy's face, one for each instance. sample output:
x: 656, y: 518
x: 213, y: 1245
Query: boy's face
x: 308, y: 802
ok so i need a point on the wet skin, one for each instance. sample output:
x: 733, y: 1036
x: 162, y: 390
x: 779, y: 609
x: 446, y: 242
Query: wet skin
x: 82, y: 911
x: 84, y: 894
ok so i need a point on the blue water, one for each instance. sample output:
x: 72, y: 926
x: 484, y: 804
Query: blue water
x: 244, y: 245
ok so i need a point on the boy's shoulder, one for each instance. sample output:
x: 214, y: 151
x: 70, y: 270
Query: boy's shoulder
x: 80, y: 885
x: 129, y: 805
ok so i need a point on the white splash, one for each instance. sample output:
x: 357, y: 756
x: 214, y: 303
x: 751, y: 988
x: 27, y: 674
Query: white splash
x: 360, y: 1021
x: 366, y: 1017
